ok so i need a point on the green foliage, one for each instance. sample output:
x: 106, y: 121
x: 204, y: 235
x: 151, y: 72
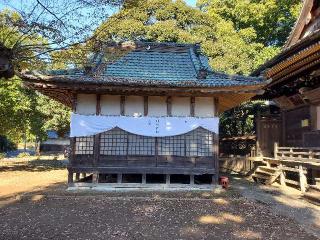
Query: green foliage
x: 18, y: 110
x: 56, y: 116
x: 272, y: 20
x: 6, y: 144
x: 239, y: 121
x: 23, y: 112
x: 236, y: 35
x: 25, y: 46
x: 2, y: 155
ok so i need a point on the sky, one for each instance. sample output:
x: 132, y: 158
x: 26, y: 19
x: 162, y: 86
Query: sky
x: 89, y: 19
x: 16, y: 3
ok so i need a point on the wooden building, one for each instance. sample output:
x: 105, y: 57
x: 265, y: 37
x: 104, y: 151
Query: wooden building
x: 151, y: 111
x: 295, y: 81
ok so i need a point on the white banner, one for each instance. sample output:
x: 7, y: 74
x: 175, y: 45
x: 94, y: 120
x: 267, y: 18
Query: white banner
x: 88, y: 125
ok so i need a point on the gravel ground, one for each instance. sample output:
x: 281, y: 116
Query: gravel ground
x: 35, y: 205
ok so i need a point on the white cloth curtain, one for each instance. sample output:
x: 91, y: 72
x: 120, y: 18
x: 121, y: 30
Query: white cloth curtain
x: 84, y: 125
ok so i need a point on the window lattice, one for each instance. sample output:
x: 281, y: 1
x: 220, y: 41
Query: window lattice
x: 205, y: 142
x: 114, y: 142
x: 84, y: 145
x: 174, y: 145
x: 141, y: 145
x: 118, y: 142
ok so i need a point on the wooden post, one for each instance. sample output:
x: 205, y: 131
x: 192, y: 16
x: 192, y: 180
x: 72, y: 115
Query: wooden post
x: 291, y: 153
x: 310, y: 155
x: 98, y: 104
x: 145, y: 106
x: 96, y: 149
x: 216, y: 106
x: 216, y: 156
x: 283, y: 128
x: 72, y: 156
x: 144, y: 178
x: 192, y: 106
x: 77, y: 176
x: 215, y: 179
x: 96, y: 143
x: 191, y: 180
x: 156, y: 152
x: 70, y: 177
x: 122, y: 105
x: 119, y: 178
x: 95, y: 178
x: 282, y: 176
x: 169, y: 106
x: 168, y: 179
x: 303, y: 179
x: 276, y: 149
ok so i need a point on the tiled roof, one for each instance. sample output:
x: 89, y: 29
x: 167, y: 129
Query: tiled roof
x: 158, y: 64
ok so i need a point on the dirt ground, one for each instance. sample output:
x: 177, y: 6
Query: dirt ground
x: 34, y: 204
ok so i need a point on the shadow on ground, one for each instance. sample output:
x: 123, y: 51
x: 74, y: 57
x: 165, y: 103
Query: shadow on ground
x: 54, y: 212
x: 34, y: 166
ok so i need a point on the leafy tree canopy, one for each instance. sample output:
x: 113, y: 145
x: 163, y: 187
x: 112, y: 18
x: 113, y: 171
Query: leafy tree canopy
x: 236, y: 35
x: 272, y: 20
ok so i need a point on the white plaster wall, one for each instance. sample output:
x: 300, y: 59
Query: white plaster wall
x: 157, y: 106
x: 134, y: 106
x: 110, y: 105
x: 86, y: 104
x: 204, y: 107
x: 180, y: 106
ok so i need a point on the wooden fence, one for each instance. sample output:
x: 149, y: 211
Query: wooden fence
x: 294, y: 161
x: 297, y: 154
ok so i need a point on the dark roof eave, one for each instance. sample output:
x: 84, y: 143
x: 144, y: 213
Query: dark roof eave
x: 129, y: 82
x: 288, y: 52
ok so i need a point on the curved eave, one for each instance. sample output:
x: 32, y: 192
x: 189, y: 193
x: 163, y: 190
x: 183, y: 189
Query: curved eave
x: 295, y: 52
x: 63, y: 89
x: 300, y: 24
x: 101, y: 82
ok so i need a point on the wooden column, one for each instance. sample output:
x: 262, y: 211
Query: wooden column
x: 122, y: 105
x: 73, y: 139
x: 192, y: 106
x: 95, y: 178
x: 70, y: 177
x: 144, y: 178
x: 77, y: 176
x: 282, y: 176
x: 303, y: 179
x: 216, y: 158
x: 275, y: 150
x: 313, y: 117
x: 216, y: 106
x: 191, y: 180
x: 96, y: 143
x: 169, y: 106
x: 98, y: 104
x: 283, y: 128
x: 145, y: 105
x: 119, y: 178
x: 168, y: 179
